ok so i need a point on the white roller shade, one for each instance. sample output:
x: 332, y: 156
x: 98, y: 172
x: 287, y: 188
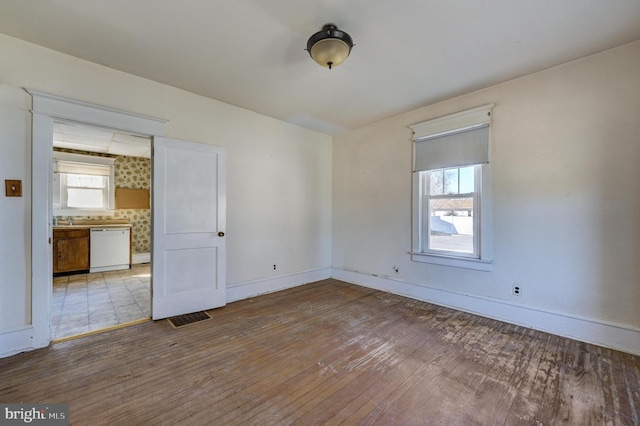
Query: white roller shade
x: 455, y: 140
x: 80, y: 164
x: 458, y: 149
x: 82, y: 168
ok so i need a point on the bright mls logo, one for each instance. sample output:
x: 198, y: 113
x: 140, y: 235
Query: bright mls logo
x: 38, y: 414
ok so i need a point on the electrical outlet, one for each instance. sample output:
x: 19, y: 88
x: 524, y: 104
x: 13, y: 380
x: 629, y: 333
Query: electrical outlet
x: 396, y: 269
x: 517, y: 290
x: 274, y: 267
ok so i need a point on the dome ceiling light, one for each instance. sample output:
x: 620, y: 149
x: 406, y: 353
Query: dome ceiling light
x: 330, y: 46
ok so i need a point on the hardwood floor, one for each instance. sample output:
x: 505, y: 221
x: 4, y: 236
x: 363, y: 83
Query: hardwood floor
x: 330, y: 353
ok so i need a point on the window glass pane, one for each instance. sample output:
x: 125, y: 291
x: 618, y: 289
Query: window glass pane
x: 436, y: 181
x: 86, y: 181
x: 467, y: 177
x: 451, y: 181
x: 451, y: 225
x: 81, y: 198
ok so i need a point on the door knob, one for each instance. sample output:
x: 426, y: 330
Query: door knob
x: 220, y: 234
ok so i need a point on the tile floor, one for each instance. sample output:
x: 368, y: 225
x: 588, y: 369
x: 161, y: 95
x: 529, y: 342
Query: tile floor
x: 89, y: 302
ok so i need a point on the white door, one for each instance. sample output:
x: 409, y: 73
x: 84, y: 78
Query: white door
x: 188, y: 226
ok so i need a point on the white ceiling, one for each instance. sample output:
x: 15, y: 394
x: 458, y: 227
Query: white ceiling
x: 94, y: 139
x: 250, y: 53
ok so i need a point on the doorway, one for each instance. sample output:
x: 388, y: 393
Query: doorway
x: 105, y: 212
x: 177, y: 214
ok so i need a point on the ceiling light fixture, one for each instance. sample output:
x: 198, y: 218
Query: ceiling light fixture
x: 330, y: 46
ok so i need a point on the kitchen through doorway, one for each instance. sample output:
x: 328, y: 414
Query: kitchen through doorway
x: 101, y: 229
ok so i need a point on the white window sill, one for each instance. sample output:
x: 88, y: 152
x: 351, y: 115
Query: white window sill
x: 83, y: 212
x: 456, y: 262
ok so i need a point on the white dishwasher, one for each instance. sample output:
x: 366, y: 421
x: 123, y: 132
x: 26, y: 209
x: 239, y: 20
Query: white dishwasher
x: 109, y: 249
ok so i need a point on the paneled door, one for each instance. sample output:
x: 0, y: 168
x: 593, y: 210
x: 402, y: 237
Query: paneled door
x: 188, y: 227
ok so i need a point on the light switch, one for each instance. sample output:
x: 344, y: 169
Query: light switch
x: 13, y: 188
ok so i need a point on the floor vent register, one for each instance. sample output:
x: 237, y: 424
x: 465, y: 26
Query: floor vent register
x: 188, y: 319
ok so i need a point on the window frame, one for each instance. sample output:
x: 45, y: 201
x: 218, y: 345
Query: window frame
x: 484, y: 261
x: 482, y: 258
x: 59, y: 185
x: 426, y: 197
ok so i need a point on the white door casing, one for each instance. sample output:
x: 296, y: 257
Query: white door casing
x: 188, y: 225
x: 46, y: 109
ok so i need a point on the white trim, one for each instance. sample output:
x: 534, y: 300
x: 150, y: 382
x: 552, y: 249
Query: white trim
x: 97, y: 115
x: 254, y: 288
x: 586, y: 329
x: 15, y: 341
x: 41, y: 230
x: 457, y: 122
x: 140, y: 258
x: 47, y: 109
x: 449, y: 260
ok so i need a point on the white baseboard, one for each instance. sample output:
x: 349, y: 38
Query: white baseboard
x: 249, y: 289
x: 586, y: 329
x: 140, y: 258
x: 16, y: 340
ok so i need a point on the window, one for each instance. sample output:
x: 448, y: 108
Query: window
x: 83, y: 185
x: 450, y: 209
x: 452, y: 190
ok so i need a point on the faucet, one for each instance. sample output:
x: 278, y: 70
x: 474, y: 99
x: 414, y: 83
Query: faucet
x: 69, y: 220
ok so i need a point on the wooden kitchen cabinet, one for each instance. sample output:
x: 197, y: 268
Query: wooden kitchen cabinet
x: 70, y: 250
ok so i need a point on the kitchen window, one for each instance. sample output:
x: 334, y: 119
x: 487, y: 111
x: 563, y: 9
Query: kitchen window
x: 83, y: 185
x: 452, y: 190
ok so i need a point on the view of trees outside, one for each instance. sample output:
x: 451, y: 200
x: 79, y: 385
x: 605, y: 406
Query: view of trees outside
x: 451, y: 206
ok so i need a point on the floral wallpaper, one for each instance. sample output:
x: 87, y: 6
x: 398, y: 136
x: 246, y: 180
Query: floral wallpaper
x: 133, y: 173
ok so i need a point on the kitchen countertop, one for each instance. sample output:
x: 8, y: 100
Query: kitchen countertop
x: 89, y: 226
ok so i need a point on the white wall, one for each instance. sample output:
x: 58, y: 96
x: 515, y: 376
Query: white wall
x: 566, y: 205
x: 565, y: 167
x: 278, y: 174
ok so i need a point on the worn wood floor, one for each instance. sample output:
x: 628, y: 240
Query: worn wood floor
x: 330, y: 353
